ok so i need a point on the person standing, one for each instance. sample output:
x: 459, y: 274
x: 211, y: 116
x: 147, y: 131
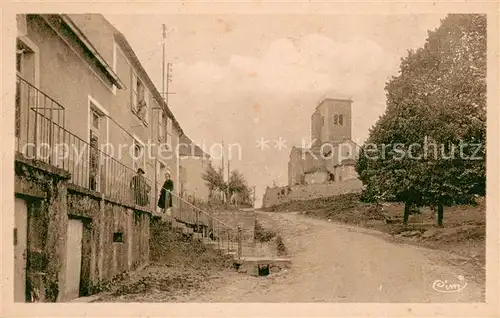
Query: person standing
x: 165, y: 200
x: 140, y: 188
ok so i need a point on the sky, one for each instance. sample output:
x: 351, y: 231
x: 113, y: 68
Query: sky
x: 238, y: 79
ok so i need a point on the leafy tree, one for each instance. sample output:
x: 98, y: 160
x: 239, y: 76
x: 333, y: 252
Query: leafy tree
x: 437, y: 101
x: 214, y: 179
x: 237, y: 183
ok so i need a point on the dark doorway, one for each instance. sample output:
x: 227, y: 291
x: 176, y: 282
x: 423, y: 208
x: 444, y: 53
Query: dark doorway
x: 263, y: 270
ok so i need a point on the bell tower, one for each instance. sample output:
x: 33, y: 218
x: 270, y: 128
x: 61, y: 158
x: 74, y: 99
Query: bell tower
x: 338, y: 119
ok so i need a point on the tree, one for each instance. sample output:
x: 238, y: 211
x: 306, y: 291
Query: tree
x: 238, y: 184
x: 439, y: 100
x: 214, y: 179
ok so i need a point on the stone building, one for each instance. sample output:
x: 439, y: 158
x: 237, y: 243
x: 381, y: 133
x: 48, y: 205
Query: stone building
x: 81, y: 95
x: 332, y: 156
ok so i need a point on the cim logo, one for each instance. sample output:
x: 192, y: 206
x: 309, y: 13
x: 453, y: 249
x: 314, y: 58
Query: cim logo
x: 446, y: 287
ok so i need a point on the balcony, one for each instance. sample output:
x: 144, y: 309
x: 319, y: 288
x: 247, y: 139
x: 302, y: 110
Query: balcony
x: 41, y: 135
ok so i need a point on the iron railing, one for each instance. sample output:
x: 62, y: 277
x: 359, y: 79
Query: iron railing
x: 225, y: 236
x: 41, y: 135
x: 39, y: 122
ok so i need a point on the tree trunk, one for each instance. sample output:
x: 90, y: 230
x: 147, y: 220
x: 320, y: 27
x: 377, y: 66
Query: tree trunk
x: 440, y: 212
x: 407, y: 214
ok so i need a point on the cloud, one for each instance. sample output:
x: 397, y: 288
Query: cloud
x: 273, y: 95
x: 290, y: 68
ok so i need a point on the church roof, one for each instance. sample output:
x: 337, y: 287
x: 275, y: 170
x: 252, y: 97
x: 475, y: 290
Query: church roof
x: 317, y: 169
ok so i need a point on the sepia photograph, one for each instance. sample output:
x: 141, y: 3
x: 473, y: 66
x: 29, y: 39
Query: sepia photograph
x: 250, y: 158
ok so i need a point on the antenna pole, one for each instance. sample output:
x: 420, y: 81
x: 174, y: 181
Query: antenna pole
x: 164, y: 29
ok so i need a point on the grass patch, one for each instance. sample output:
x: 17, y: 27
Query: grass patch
x: 263, y: 235
x: 170, y: 248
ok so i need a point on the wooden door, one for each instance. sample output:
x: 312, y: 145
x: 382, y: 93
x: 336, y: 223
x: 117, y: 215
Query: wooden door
x: 73, y: 259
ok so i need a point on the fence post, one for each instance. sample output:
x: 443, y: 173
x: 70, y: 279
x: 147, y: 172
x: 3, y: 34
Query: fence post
x: 239, y: 239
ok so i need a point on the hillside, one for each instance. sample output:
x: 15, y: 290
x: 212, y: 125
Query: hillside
x: 463, y: 233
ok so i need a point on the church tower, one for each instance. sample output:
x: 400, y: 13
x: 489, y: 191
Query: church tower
x: 331, y: 121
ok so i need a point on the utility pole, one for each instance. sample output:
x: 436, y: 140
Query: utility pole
x: 169, y: 79
x: 253, y: 197
x: 164, y: 33
x: 164, y: 82
x: 222, y: 164
x: 228, y: 176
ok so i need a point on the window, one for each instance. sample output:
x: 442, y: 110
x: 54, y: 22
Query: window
x: 94, y: 161
x: 335, y: 120
x: 139, y: 99
x: 94, y: 155
x: 161, y: 126
x: 169, y: 132
x: 118, y: 237
x: 338, y: 120
x: 19, y: 60
x: 138, y: 155
x: 95, y: 120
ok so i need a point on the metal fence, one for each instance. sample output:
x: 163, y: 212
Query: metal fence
x: 39, y: 122
x: 41, y: 135
x: 226, y: 237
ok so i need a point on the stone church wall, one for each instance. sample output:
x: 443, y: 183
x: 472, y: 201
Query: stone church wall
x: 279, y: 195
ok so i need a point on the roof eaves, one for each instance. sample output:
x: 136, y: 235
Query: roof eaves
x: 323, y: 100
x: 196, y: 151
x: 76, y: 30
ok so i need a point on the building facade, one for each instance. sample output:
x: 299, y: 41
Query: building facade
x: 86, y: 111
x: 332, y: 156
x: 193, y: 164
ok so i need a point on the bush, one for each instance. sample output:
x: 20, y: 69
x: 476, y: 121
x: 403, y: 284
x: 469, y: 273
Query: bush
x: 262, y: 235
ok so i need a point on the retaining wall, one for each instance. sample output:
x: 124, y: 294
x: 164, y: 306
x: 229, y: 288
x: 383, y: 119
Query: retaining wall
x: 279, y: 195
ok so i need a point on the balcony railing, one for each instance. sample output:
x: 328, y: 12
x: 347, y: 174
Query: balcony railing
x: 41, y: 135
x: 39, y: 122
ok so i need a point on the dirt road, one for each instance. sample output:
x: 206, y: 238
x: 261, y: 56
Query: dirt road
x: 336, y: 263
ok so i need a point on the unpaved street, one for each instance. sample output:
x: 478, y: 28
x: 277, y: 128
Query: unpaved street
x: 336, y: 263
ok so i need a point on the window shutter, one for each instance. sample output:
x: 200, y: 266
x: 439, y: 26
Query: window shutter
x: 169, y: 125
x: 158, y: 126
x: 133, y: 87
x: 161, y: 126
x: 145, y: 110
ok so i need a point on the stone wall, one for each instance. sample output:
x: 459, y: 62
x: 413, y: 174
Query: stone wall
x: 246, y: 219
x: 107, y: 258
x: 51, y: 201
x: 43, y: 187
x: 278, y: 195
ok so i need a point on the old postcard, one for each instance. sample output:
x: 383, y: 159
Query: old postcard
x: 329, y: 158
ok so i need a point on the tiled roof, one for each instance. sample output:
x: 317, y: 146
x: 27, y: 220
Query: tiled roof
x: 189, y: 148
x: 317, y: 169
